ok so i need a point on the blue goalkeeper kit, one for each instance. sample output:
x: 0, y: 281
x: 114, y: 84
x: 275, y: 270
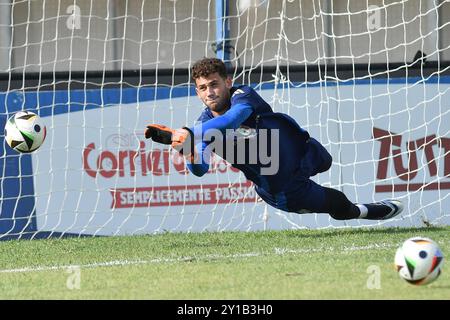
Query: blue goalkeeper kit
x: 299, y: 156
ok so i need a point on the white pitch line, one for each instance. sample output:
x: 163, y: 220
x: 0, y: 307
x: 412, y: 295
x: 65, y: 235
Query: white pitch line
x: 339, y: 250
x: 277, y: 251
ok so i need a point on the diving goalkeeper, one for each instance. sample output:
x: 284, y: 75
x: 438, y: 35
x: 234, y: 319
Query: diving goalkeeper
x: 290, y: 188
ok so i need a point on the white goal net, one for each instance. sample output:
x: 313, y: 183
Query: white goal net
x: 369, y: 79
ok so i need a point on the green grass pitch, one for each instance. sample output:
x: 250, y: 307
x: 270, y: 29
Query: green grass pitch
x: 300, y: 264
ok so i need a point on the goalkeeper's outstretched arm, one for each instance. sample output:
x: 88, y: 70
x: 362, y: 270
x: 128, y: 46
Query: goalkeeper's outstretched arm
x: 231, y: 119
x: 198, y: 157
x: 199, y: 163
x: 180, y: 139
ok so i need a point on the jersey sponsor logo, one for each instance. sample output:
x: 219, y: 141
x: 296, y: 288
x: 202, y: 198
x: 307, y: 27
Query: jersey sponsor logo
x: 244, y: 132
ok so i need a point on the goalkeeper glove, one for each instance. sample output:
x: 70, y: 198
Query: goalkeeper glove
x: 180, y: 139
x: 159, y: 133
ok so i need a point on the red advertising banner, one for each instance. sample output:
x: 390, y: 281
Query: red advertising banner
x: 183, y: 195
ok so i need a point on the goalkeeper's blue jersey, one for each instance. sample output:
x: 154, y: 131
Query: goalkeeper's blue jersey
x: 289, y: 188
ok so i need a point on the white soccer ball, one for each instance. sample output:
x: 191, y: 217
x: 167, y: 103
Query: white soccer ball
x: 25, y: 131
x: 419, y: 261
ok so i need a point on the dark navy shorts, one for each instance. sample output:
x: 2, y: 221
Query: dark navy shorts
x: 302, y: 194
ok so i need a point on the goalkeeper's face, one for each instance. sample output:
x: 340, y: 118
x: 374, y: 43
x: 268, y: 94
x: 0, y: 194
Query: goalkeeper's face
x: 214, y: 91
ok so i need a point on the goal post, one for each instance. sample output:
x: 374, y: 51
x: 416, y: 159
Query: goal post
x: 369, y: 81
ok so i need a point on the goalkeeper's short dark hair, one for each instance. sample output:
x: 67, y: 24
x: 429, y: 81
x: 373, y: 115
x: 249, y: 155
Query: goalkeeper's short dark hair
x: 207, y: 66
